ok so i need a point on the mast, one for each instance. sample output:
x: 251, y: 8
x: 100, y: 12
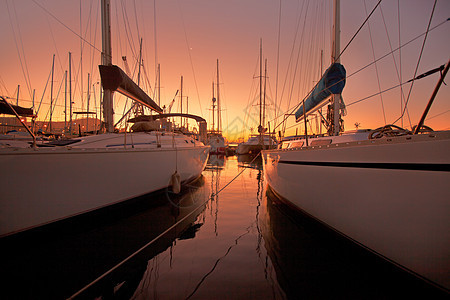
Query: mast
x: 218, y: 101
x: 139, y: 108
x: 108, y: 114
x: 65, y: 101
x: 260, y: 85
x: 87, y: 104
x: 213, y: 106
x: 335, y: 59
x: 51, y: 95
x: 33, y: 118
x: 159, y: 85
x: 70, y: 93
x: 264, y: 97
x: 181, y: 101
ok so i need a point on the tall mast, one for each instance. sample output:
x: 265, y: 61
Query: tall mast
x: 181, y: 101
x: 65, y: 101
x: 159, y: 85
x: 139, y: 63
x: 264, y: 97
x: 213, y: 106
x: 70, y: 93
x: 218, y: 101
x: 51, y: 94
x: 87, y: 104
x: 335, y: 59
x: 108, y: 114
x: 139, y: 108
x: 260, y: 84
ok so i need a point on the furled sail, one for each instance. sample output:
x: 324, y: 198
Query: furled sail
x: 332, y: 82
x: 114, y: 79
x: 21, y: 111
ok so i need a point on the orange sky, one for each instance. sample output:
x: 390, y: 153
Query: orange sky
x: 192, y: 35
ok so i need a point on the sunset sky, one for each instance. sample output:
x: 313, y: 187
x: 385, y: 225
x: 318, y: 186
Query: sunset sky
x: 192, y: 34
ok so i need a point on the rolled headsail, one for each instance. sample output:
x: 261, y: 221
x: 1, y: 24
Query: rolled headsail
x: 114, y: 79
x: 21, y: 111
x: 332, y: 82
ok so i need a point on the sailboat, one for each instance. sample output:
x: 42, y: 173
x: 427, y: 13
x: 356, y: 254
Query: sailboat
x: 386, y: 189
x: 44, y: 184
x: 215, y: 138
x: 262, y: 140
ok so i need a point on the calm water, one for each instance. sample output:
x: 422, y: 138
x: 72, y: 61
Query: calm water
x: 239, y: 244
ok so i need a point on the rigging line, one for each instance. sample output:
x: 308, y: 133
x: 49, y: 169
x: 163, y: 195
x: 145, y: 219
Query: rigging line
x: 250, y: 99
x: 18, y: 50
x: 54, y: 44
x: 190, y: 58
x: 43, y: 93
x: 23, y: 53
x: 128, y: 31
x: 393, y: 87
x: 439, y: 114
x: 302, y: 36
x: 56, y: 100
x: 402, y: 95
x: 88, y: 26
x: 290, y: 111
x: 373, y: 95
x: 118, y: 31
x: 292, y: 54
x: 95, y: 37
x: 278, y: 58
x: 2, y: 83
x: 136, y: 19
x: 418, y: 62
x: 359, y: 29
x: 376, y: 67
x: 137, y: 251
x: 81, y: 58
x: 156, y: 49
x: 67, y: 27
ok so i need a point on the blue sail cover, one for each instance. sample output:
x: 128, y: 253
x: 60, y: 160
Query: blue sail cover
x: 332, y: 82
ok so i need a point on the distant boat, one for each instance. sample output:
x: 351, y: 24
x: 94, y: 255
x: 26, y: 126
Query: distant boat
x: 47, y: 183
x: 386, y: 189
x: 216, y: 141
x: 230, y: 149
x: 262, y: 140
x: 255, y: 144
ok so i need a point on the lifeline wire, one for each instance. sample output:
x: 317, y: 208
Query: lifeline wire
x: 67, y: 27
x: 156, y: 238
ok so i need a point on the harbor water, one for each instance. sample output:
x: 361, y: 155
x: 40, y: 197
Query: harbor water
x: 225, y: 236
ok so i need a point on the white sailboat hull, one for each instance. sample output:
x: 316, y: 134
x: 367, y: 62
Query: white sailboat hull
x: 390, y: 195
x: 50, y: 184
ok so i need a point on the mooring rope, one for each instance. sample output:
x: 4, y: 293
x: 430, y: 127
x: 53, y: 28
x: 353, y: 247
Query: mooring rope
x: 156, y: 238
